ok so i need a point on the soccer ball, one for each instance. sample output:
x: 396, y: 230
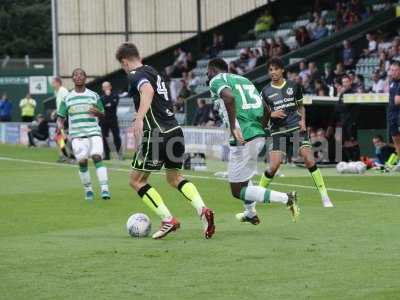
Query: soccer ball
x: 138, y: 225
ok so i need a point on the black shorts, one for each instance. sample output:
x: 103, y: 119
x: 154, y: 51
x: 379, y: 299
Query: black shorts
x: 160, y: 149
x: 394, y: 127
x: 289, y: 142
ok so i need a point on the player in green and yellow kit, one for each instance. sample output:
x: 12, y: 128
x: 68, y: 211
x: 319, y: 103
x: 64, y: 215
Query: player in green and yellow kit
x: 242, y: 108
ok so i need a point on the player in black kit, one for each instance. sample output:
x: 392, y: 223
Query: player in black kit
x: 160, y: 142
x: 288, y: 127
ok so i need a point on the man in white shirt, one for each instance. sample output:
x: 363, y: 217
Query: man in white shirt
x: 59, y: 91
x: 378, y: 84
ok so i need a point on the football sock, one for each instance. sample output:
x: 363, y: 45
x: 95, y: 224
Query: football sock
x: 265, y: 180
x: 85, y: 178
x: 318, y: 180
x: 154, y: 201
x: 250, y: 209
x: 189, y: 190
x: 101, y: 172
x: 392, y: 159
x: 260, y: 194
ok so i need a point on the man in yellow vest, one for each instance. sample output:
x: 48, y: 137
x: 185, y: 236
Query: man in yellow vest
x: 27, y: 106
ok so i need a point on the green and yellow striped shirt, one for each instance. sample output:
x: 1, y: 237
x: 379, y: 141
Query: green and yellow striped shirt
x: 76, y: 107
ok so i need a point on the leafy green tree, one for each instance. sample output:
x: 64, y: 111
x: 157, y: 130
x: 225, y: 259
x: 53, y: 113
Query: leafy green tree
x: 25, y: 28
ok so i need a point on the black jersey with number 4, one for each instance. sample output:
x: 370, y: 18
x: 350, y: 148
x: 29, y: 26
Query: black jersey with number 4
x: 286, y: 97
x: 160, y: 115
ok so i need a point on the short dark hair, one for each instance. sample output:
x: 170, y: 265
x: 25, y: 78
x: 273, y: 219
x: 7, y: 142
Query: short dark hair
x: 378, y: 137
x: 79, y: 69
x: 346, y: 76
x: 127, y: 51
x: 395, y: 63
x: 276, y: 62
x: 218, y: 63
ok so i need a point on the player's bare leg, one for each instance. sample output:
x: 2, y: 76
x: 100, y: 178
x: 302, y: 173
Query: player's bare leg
x: 189, y: 190
x: 275, y: 160
x: 84, y: 175
x: 310, y: 164
x: 150, y: 196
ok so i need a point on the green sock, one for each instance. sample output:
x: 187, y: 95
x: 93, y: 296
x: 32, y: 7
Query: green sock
x: 318, y: 180
x: 154, y: 201
x: 265, y: 180
x: 189, y: 190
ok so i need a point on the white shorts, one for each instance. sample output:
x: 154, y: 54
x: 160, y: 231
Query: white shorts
x: 84, y: 148
x: 242, y: 164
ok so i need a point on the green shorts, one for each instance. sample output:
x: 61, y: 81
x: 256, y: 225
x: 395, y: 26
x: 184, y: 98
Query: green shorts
x: 289, y: 142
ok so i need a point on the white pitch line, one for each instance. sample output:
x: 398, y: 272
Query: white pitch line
x: 207, y: 177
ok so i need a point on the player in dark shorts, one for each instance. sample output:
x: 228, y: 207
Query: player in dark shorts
x: 394, y: 107
x: 160, y: 142
x: 288, y: 127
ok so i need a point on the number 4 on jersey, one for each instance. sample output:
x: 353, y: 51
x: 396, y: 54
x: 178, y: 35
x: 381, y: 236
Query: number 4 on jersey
x: 161, y: 88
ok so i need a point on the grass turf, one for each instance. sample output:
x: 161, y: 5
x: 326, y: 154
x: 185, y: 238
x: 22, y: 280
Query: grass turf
x: 54, y: 245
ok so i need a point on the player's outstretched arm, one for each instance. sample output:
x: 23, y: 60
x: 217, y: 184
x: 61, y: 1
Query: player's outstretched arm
x: 229, y: 101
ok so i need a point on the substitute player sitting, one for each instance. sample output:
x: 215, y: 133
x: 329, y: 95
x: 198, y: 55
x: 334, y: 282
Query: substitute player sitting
x: 161, y: 143
x: 288, y: 127
x: 83, y: 108
x: 242, y: 108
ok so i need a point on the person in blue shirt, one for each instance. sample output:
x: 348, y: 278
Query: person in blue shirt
x: 5, y: 109
x: 393, y: 111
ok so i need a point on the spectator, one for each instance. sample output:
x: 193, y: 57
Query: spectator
x: 109, y: 122
x: 217, y: 45
x: 302, y: 36
x: 203, y: 113
x: 39, y: 131
x: 307, y: 86
x: 282, y: 46
x: 372, y: 44
x: 358, y: 83
x: 193, y: 81
x: 59, y: 91
x: 346, y: 116
x: 320, y: 31
x: 243, y: 61
x: 382, y: 150
x: 348, y: 55
x: 314, y: 20
x: 367, y: 13
x: 264, y: 23
x: 378, y: 84
x: 252, y: 62
x: 266, y: 49
x: 328, y: 75
x: 303, y: 71
x: 5, y: 109
x: 190, y: 62
x: 27, y: 106
x: 184, y: 92
x: 314, y: 72
x: 320, y: 88
x: 384, y: 63
x: 339, y: 71
x: 233, y: 68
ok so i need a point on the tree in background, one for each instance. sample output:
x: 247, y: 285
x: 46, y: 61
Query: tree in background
x: 25, y: 28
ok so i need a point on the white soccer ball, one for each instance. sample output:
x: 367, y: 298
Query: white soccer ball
x: 138, y: 225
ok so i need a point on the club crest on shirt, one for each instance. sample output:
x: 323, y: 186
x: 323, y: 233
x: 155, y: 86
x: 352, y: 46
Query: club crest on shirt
x: 289, y: 91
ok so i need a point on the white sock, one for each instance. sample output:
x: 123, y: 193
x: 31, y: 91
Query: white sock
x: 102, y: 177
x: 85, y: 179
x: 278, y: 197
x: 255, y: 193
x: 250, y: 209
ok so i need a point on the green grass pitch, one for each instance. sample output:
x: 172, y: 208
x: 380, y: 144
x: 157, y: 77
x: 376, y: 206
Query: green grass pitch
x: 54, y: 245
